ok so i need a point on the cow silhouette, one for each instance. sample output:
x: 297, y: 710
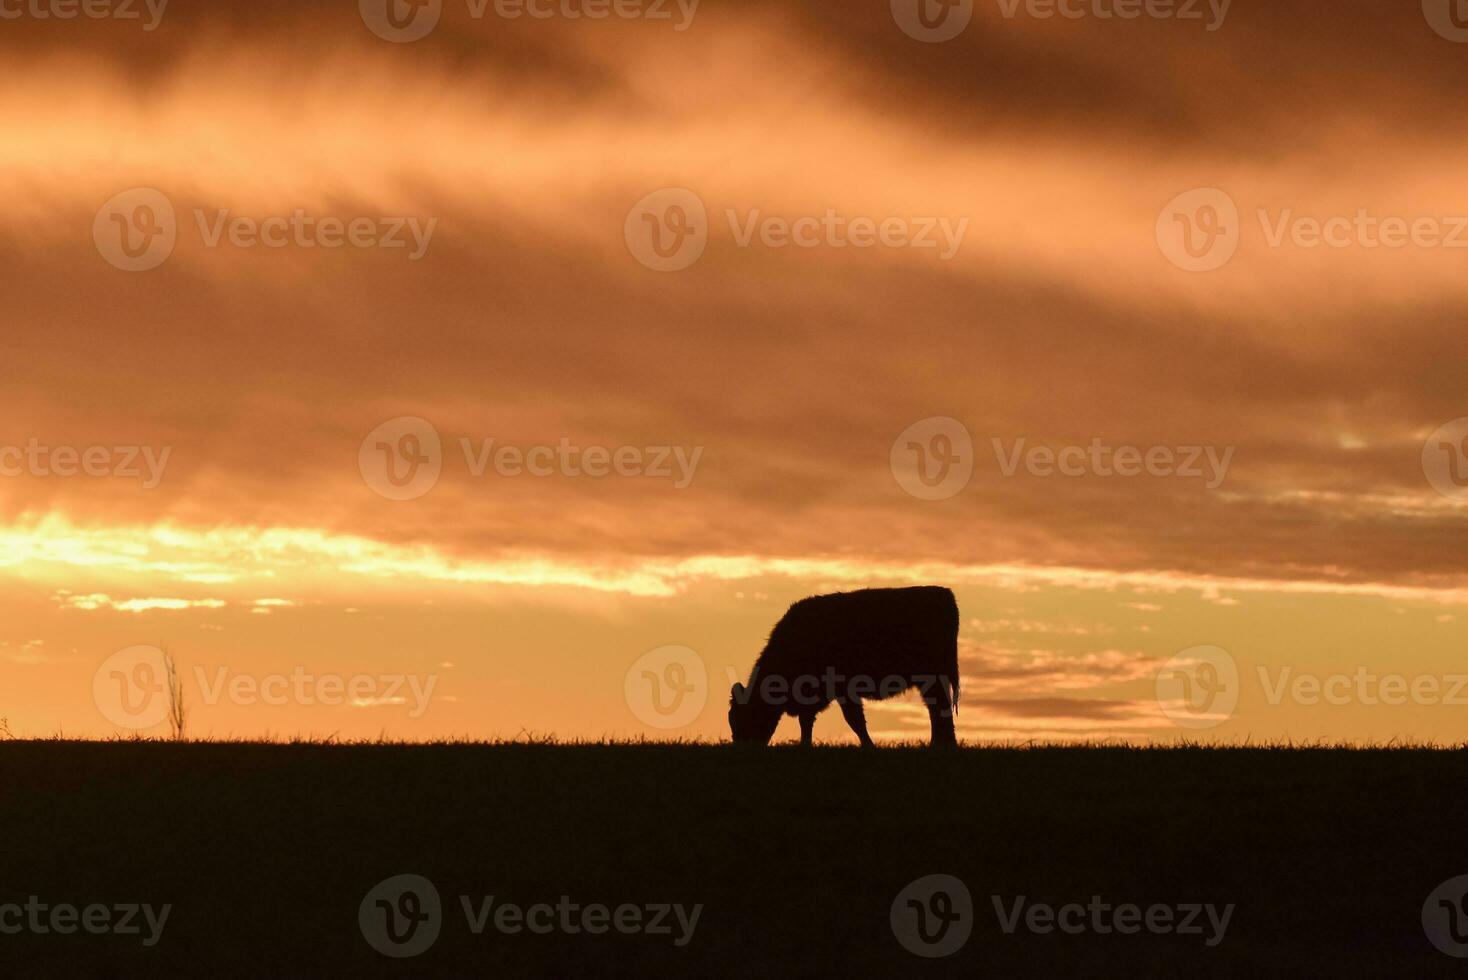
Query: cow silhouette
x: 851, y: 647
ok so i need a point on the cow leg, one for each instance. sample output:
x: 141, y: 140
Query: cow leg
x: 856, y: 717
x: 807, y: 725
x: 940, y: 713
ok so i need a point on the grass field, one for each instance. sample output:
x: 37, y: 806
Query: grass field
x: 266, y: 852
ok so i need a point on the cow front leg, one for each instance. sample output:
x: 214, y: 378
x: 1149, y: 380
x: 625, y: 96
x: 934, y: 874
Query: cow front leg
x: 856, y: 717
x: 807, y: 726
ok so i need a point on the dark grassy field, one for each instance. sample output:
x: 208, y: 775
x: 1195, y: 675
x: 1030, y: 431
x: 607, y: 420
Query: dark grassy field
x: 265, y: 853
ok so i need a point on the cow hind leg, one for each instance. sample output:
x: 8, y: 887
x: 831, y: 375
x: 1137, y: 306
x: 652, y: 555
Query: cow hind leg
x: 807, y: 726
x: 940, y: 713
x: 856, y: 717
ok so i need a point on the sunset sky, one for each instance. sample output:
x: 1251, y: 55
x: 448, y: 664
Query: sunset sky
x: 1004, y: 248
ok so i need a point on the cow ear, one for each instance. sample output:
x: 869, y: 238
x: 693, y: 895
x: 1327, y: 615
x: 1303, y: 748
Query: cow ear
x: 736, y: 693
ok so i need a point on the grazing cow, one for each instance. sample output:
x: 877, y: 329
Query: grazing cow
x: 849, y: 647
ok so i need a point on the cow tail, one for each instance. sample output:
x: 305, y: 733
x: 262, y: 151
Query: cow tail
x: 954, y: 699
x: 953, y: 684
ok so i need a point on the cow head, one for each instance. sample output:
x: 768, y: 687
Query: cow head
x: 750, y: 719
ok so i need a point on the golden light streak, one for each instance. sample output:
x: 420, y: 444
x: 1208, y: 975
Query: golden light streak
x: 247, y: 557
